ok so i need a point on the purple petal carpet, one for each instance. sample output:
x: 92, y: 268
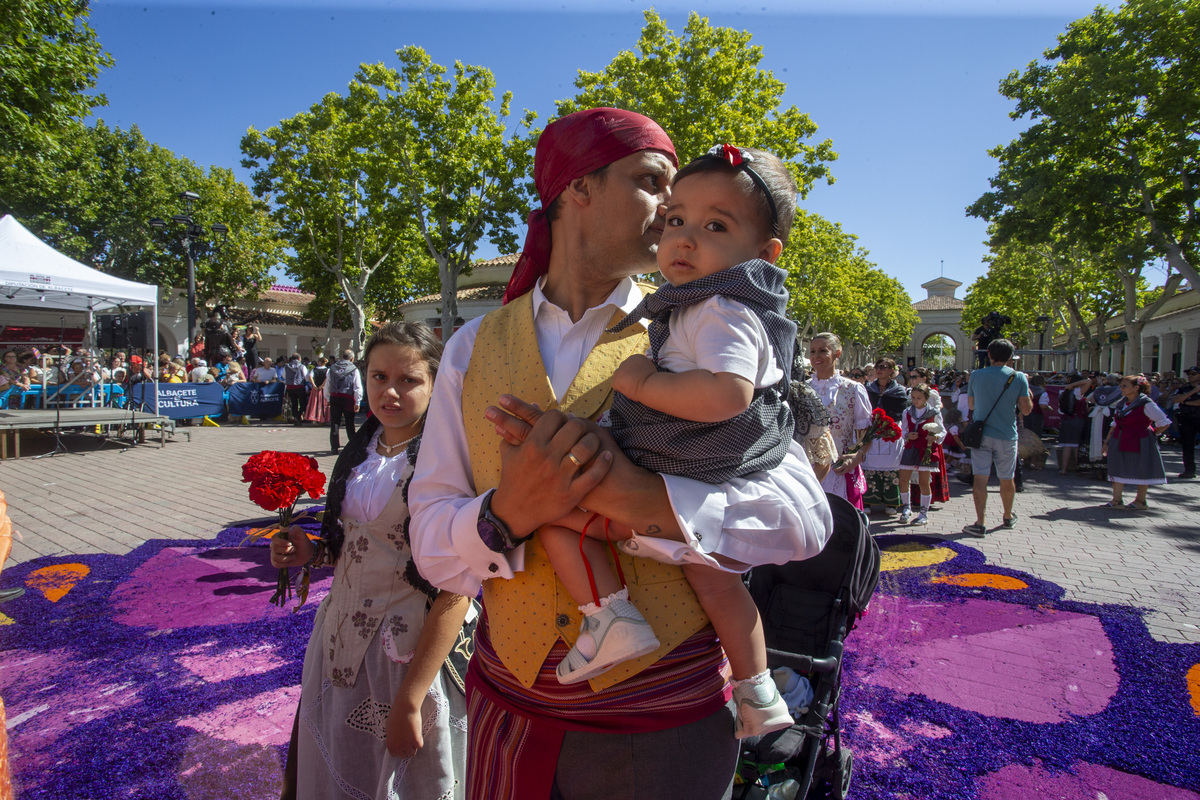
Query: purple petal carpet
x: 166, y: 674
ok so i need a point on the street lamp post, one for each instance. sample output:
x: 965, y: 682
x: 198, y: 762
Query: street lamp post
x: 1042, y: 321
x: 190, y: 239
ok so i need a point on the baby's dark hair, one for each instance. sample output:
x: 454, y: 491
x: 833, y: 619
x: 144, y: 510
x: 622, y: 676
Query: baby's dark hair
x: 774, y: 174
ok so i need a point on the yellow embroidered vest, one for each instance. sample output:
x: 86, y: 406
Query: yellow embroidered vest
x: 533, y: 609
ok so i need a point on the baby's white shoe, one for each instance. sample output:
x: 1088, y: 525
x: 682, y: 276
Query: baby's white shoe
x: 617, y: 632
x: 760, y: 707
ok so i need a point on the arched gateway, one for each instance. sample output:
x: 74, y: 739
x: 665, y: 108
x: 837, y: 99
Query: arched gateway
x: 940, y: 313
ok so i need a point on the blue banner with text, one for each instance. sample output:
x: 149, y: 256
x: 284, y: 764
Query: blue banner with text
x: 182, y: 400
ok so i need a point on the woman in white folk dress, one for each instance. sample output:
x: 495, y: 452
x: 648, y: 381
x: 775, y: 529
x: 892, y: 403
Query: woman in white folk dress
x: 378, y: 718
x: 849, y: 414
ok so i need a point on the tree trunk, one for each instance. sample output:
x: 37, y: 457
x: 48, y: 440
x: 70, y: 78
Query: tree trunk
x: 356, y: 301
x: 1098, y: 342
x: 448, y: 278
x: 806, y: 330
x: 1133, y: 346
x: 1176, y: 260
x: 1136, y: 319
x: 328, y: 331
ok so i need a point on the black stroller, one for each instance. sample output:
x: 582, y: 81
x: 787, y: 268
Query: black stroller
x: 808, y: 608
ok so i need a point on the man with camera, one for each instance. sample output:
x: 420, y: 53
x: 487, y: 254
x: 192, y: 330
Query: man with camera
x: 217, y: 340
x: 988, y: 332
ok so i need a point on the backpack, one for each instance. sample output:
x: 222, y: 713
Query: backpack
x: 293, y: 373
x: 1066, y: 402
x: 341, y: 381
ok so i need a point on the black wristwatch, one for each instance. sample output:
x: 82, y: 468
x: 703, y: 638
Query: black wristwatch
x: 494, y: 533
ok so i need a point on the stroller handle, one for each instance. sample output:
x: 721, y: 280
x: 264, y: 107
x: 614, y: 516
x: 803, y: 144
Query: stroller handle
x: 801, y: 663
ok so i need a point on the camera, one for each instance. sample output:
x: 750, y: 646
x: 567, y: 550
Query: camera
x: 995, y: 321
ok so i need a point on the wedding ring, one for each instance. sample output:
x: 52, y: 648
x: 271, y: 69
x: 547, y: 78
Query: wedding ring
x: 574, y: 460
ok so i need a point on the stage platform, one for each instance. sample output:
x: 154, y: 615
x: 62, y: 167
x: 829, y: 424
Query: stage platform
x: 44, y: 419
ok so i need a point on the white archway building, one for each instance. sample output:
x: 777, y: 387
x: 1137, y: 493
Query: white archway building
x: 940, y: 312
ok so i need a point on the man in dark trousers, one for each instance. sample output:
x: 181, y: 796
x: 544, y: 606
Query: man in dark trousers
x: 216, y: 337
x: 295, y: 376
x: 1187, y: 407
x: 344, y: 390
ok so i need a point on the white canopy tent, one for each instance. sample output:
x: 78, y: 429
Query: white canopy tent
x: 32, y: 273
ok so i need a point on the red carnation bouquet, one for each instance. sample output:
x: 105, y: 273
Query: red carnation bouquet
x: 882, y: 427
x: 276, y: 482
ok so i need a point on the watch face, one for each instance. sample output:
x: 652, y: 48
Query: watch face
x: 491, y: 535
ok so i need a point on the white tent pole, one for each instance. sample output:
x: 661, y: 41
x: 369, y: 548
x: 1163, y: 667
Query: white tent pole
x: 153, y: 352
x: 89, y: 346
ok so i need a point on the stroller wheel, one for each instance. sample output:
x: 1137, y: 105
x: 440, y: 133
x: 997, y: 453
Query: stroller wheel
x: 842, y: 774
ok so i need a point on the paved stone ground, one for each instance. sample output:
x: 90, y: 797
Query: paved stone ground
x: 102, y: 498
x: 1145, y: 559
x: 110, y: 500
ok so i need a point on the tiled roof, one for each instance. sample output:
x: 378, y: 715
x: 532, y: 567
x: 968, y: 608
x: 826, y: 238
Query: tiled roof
x: 286, y: 296
x: 489, y: 291
x: 500, y: 261
x: 241, y: 316
x: 939, y: 303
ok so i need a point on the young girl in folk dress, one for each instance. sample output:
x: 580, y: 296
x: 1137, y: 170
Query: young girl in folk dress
x: 377, y: 717
x: 318, y: 406
x: 1135, y: 458
x: 923, y: 434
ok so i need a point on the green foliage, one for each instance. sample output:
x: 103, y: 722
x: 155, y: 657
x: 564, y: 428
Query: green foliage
x: 1113, y: 151
x: 331, y: 190
x: 94, y: 199
x: 1016, y: 284
x: 704, y: 88
x: 834, y: 287
x: 888, y: 317
x: 938, y: 352
x: 1077, y: 290
x: 386, y: 192
x: 49, y: 59
x: 464, y: 176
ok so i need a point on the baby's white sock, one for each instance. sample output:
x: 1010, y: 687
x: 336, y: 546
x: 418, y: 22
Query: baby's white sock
x: 585, y: 643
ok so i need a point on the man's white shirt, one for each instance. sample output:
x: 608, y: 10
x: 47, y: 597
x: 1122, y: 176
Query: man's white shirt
x: 729, y: 519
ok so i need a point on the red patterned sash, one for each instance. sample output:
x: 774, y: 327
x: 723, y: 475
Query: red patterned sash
x: 516, y: 733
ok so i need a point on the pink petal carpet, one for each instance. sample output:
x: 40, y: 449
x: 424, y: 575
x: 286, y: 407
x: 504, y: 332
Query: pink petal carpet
x: 165, y: 673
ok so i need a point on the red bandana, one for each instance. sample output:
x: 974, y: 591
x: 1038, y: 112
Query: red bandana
x: 570, y: 148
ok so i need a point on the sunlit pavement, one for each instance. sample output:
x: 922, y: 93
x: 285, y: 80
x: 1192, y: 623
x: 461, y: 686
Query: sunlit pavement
x: 110, y: 500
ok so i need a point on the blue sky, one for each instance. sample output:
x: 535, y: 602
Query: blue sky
x: 906, y: 89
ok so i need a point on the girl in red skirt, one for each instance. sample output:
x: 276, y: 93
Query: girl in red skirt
x: 923, y: 433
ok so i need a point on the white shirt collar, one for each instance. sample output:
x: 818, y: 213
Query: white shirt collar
x: 625, y: 297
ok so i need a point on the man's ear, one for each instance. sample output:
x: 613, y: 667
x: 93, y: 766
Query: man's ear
x: 770, y: 251
x: 579, y: 191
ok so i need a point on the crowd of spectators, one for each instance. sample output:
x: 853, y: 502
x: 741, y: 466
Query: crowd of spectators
x: 23, y: 370
x: 1069, y: 399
